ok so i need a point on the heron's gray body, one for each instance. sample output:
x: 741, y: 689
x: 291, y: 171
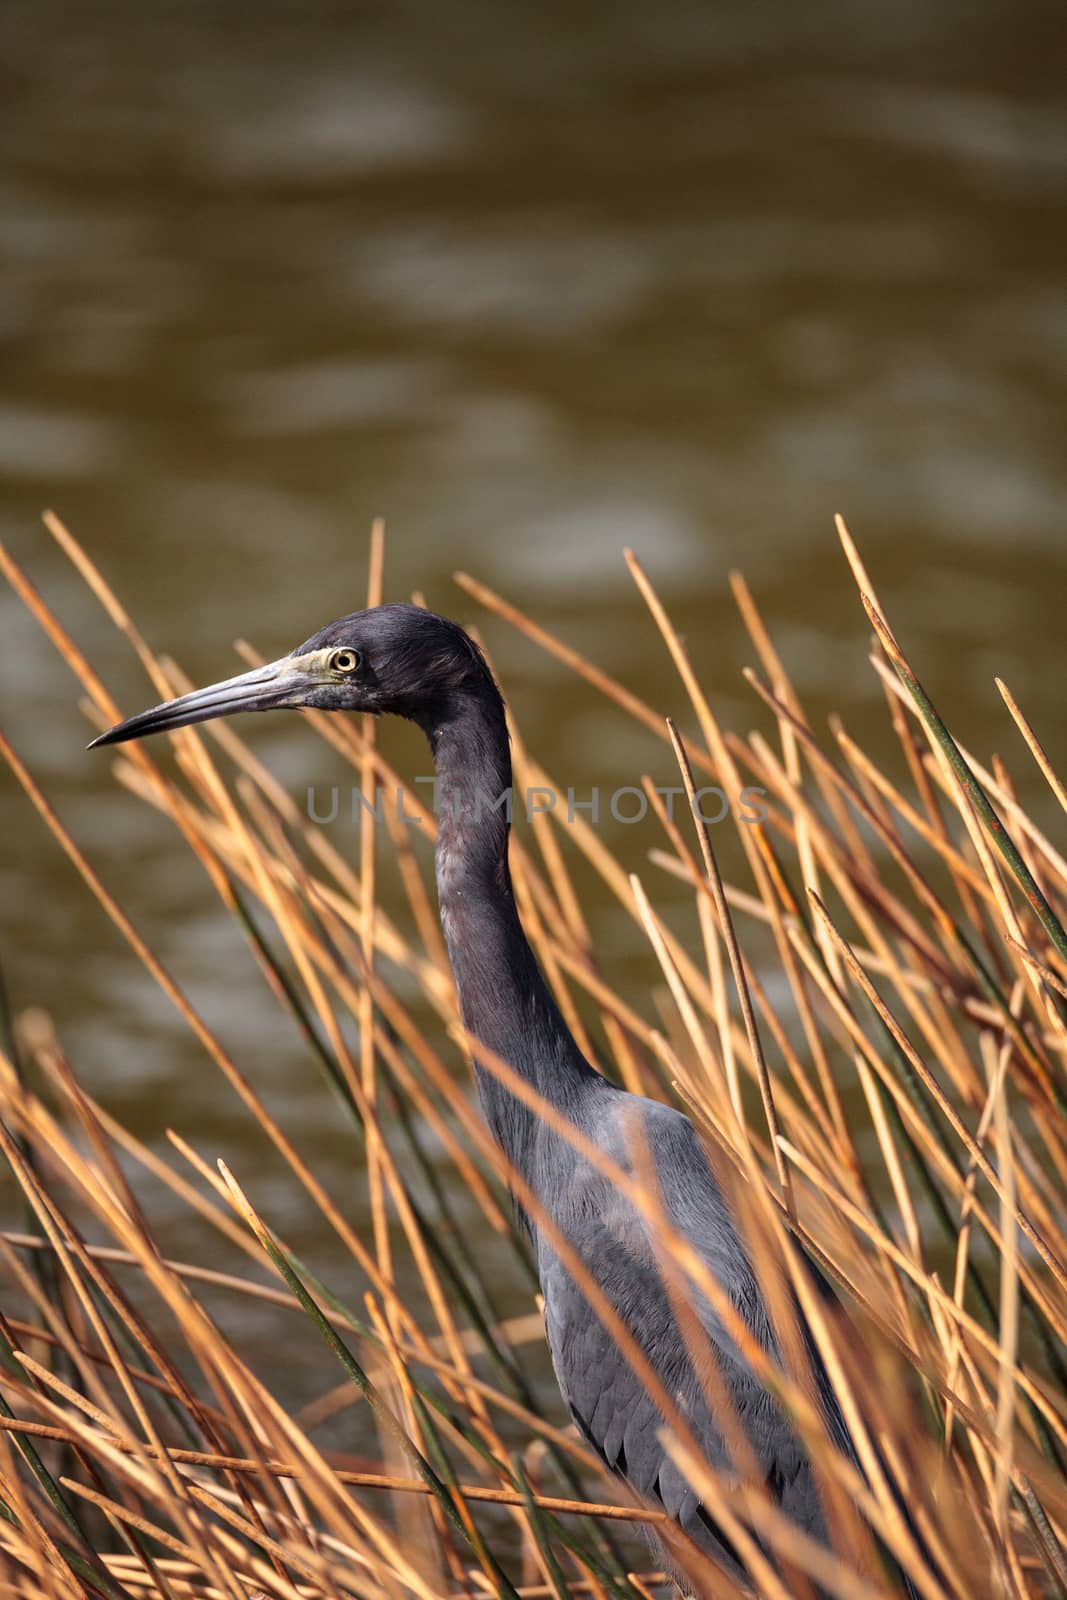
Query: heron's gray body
x: 608, y: 1400
x: 507, y: 1005
x: 409, y: 662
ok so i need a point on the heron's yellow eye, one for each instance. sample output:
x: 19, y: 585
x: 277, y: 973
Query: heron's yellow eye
x: 344, y: 661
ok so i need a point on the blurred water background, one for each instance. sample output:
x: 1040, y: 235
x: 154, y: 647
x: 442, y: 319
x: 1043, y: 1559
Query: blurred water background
x: 532, y: 282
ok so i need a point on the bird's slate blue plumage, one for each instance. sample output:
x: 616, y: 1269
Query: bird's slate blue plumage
x: 403, y: 660
x: 506, y: 1003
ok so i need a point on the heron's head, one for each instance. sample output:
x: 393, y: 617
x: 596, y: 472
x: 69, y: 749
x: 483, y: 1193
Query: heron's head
x: 394, y: 658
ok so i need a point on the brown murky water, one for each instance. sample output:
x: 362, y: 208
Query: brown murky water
x: 534, y: 283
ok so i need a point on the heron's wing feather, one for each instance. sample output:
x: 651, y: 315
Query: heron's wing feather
x: 609, y: 1401
x: 608, y: 1398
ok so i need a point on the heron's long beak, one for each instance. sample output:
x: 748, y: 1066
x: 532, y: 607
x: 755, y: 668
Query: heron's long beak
x: 281, y: 683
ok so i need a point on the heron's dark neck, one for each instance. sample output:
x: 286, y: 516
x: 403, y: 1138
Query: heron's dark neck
x: 503, y: 997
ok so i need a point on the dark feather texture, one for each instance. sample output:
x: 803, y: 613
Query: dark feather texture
x: 402, y: 660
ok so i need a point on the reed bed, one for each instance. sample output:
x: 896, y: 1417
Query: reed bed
x: 897, y: 1109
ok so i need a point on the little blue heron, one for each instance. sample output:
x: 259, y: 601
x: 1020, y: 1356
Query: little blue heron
x: 412, y: 663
